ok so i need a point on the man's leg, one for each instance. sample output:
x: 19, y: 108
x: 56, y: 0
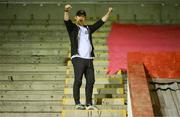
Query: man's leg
x: 90, y: 79
x: 78, y: 73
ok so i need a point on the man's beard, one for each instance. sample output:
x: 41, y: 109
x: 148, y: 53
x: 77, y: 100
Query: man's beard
x: 80, y: 22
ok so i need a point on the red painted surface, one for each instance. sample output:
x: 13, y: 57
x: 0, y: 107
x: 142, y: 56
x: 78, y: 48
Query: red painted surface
x: 141, y: 66
x: 139, y: 92
x: 125, y: 38
x: 158, y: 64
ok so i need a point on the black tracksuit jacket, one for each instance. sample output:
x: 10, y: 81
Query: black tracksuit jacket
x: 73, y: 31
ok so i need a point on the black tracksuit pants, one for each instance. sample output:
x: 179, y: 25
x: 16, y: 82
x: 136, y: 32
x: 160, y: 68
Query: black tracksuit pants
x: 83, y: 66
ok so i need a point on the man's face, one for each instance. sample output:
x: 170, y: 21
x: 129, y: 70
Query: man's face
x: 80, y: 20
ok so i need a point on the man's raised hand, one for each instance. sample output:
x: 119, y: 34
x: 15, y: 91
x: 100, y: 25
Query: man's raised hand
x: 67, y: 8
x: 110, y: 9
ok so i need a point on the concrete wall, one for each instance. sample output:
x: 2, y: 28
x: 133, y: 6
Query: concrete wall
x: 128, y: 12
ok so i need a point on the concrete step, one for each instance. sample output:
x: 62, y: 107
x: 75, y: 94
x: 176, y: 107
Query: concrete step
x: 33, y: 51
x: 50, y: 38
x: 99, y: 75
x: 70, y: 101
x: 33, y: 60
x: 96, y: 65
x: 12, y: 73
x: 90, y: 20
x: 25, y: 33
x: 99, y: 54
x: 45, y: 45
x: 32, y: 77
x: 101, y: 51
x: 58, y: 39
x: 101, y: 58
x: 103, y: 107
x: 44, y: 52
x: 95, y: 62
x: 97, y: 91
x: 104, y: 28
x: 40, y: 27
x: 44, y: 106
x: 102, y: 81
x: 99, y: 85
x: 98, y: 70
x: 31, y: 85
x: 30, y: 114
x: 30, y: 106
x: 113, y: 101
x: 35, y: 38
x: 99, y: 96
x: 32, y: 27
x: 17, y: 96
x: 28, y: 29
x: 31, y: 67
x: 94, y: 113
x: 31, y: 95
x: 33, y: 92
x: 102, y: 41
x: 99, y: 64
x: 10, y: 34
x: 40, y: 39
x: 100, y: 47
x: 31, y: 22
x: 100, y: 35
x: 41, y: 45
x: 103, y: 101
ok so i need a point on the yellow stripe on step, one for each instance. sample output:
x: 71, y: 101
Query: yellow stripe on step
x: 94, y: 113
x: 97, y: 91
x: 99, y: 81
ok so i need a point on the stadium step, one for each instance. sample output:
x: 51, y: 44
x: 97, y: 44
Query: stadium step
x: 32, y: 60
x: 33, y: 51
x: 45, y: 106
x: 31, y: 85
x: 33, y: 95
x: 97, y: 90
x: 30, y: 114
x: 48, y: 76
x: 98, y: 96
x: 101, y: 70
x: 34, y: 81
x: 102, y: 107
x: 32, y: 67
x: 94, y: 113
x: 100, y: 34
x: 102, y: 101
x: 103, y: 81
x: 95, y: 62
x: 32, y: 27
x: 47, y: 45
x: 31, y: 106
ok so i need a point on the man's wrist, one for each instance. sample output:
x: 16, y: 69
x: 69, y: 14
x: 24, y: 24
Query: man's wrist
x: 66, y: 10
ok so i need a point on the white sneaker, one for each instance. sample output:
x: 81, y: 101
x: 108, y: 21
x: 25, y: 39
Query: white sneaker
x: 91, y: 107
x: 80, y: 107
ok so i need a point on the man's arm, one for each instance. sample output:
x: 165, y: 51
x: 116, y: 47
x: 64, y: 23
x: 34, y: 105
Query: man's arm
x: 106, y: 16
x: 67, y: 9
x: 100, y: 22
x: 67, y: 21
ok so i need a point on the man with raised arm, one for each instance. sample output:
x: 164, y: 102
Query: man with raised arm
x: 82, y: 53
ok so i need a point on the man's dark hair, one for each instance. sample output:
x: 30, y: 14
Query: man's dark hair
x: 80, y: 13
